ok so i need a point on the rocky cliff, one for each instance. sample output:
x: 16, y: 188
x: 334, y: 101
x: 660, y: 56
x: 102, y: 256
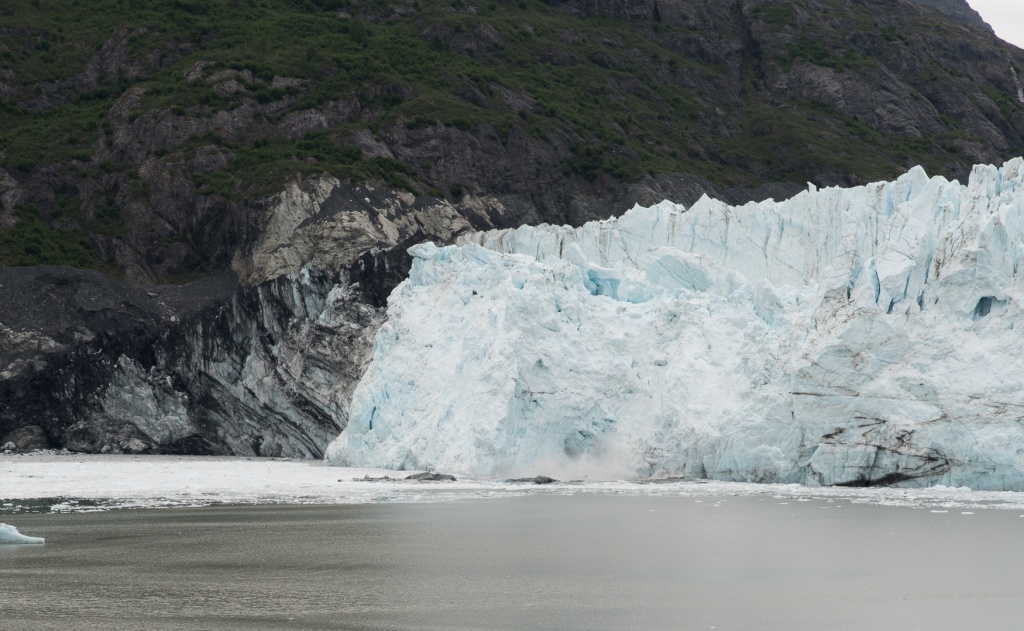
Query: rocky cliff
x: 210, y: 368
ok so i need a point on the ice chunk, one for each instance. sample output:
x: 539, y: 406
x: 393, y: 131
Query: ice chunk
x: 10, y: 534
x: 846, y: 336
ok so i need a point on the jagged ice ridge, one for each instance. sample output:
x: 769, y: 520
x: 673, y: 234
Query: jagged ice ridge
x: 845, y: 336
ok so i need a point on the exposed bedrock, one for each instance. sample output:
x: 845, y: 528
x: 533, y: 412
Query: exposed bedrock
x: 206, y: 368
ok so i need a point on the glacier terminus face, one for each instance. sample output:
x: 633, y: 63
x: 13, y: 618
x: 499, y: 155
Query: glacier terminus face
x: 843, y: 337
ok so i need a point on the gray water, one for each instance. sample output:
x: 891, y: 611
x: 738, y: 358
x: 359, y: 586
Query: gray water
x: 539, y: 562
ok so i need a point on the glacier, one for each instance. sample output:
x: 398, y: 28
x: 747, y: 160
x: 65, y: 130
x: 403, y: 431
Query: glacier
x: 860, y: 336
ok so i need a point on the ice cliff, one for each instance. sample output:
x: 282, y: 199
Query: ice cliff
x: 846, y: 336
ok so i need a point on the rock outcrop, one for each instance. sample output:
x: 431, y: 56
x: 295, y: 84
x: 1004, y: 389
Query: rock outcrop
x: 204, y: 368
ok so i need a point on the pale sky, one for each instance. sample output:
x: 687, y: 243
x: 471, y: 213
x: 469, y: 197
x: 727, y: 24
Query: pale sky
x: 1005, y: 16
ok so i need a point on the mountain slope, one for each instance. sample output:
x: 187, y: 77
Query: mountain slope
x: 141, y: 138
x: 958, y: 9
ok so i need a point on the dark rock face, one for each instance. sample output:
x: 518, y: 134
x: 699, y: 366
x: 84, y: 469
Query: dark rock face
x: 208, y: 368
x: 521, y: 180
x: 880, y: 95
x: 540, y: 479
x: 27, y: 438
x: 428, y: 476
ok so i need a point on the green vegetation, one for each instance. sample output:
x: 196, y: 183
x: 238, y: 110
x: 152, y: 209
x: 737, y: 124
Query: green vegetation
x: 616, y: 97
x: 777, y: 15
x: 34, y: 242
x: 818, y: 52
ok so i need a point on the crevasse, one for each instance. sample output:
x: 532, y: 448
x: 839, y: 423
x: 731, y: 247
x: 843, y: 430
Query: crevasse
x: 845, y: 336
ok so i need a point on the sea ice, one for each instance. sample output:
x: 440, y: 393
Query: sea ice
x: 10, y: 534
x: 854, y: 336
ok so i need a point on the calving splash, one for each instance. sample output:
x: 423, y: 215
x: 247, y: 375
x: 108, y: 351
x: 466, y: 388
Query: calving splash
x: 844, y: 337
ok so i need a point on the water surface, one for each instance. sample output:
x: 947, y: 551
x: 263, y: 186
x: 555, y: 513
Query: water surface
x: 535, y: 562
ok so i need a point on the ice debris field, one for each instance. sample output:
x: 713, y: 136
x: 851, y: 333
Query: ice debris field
x: 856, y: 336
x: 71, y: 483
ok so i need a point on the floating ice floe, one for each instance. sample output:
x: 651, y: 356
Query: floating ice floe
x: 856, y: 336
x: 10, y: 534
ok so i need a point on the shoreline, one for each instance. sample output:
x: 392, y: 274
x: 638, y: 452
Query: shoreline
x: 71, y: 482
